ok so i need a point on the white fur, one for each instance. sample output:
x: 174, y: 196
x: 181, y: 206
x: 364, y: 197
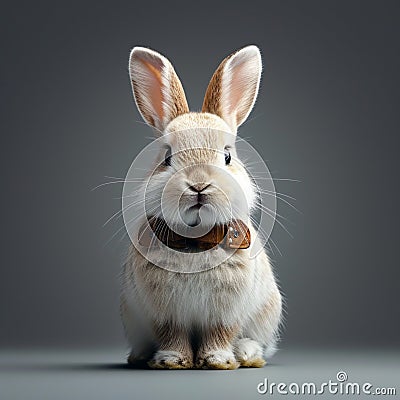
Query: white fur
x: 167, y: 358
x: 247, y: 349
x: 220, y: 357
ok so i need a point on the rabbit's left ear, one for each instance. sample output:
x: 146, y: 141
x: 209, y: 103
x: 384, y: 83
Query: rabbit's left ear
x: 233, y: 89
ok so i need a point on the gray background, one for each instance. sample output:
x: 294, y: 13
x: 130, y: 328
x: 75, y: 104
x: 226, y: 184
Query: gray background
x: 327, y: 115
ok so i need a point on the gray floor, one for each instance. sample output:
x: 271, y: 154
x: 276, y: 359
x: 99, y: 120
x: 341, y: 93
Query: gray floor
x: 101, y: 374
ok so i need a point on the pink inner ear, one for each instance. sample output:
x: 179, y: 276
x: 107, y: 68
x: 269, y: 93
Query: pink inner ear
x: 237, y: 85
x: 240, y: 90
x: 154, y: 86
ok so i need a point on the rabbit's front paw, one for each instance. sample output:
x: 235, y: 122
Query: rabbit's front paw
x: 217, y: 359
x: 249, y: 353
x: 170, y: 359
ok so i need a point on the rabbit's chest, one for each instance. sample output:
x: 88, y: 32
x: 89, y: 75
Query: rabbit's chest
x: 210, y: 296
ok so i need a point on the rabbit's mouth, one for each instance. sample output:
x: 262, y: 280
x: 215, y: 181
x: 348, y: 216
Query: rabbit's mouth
x: 193, y: 203
x: 196, y: 207
x: 200, y: 214
x: 194, y: 215
x: 201, y: 208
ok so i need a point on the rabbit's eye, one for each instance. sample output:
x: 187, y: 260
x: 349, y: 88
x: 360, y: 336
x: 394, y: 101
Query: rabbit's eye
x: 227, y: 157
x: 167, y: 160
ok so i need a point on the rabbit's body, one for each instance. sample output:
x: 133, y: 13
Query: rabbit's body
x: 239, y: 293
x: 224, y: 316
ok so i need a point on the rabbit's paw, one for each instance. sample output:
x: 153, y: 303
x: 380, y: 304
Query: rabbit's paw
x: 170, y: 359
x: 249, y: 353
x: 217, y: 359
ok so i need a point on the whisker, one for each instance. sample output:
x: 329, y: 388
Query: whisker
x: 114, y: 182
x: 262, y: 207
x: 125, y: 225
x: 277, y: 248
x: 267, y: 237
x: 269, y: 213
x: 274, y: 179
x: 133, y: 204
x: 276, y: 195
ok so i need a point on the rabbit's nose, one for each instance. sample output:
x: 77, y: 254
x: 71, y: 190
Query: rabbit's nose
x: 199, y: 187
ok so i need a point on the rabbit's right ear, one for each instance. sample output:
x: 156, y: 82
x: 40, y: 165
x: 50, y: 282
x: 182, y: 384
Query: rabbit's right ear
x: 157, y: 89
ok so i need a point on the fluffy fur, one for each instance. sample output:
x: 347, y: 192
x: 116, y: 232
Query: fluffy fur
x: 222, y: 317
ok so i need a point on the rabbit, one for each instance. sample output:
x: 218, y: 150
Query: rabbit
x: 222, y: 317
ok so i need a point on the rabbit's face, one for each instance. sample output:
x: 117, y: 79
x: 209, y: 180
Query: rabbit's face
x: 199, y: 179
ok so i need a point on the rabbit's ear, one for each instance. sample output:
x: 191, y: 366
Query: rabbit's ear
x: 233, y: 89
x: 157, y: 89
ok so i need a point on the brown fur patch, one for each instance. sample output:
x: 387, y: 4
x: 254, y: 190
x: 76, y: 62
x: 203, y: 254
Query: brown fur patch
x: 212, y: 98
x: 218, y: 337
x: 180, y: 105
x: 173, y: 337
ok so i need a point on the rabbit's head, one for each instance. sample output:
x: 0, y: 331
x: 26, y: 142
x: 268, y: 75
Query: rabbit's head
x: 197, y: 178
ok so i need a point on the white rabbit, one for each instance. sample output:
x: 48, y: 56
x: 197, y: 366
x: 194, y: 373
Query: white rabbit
x: 222, y: 317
